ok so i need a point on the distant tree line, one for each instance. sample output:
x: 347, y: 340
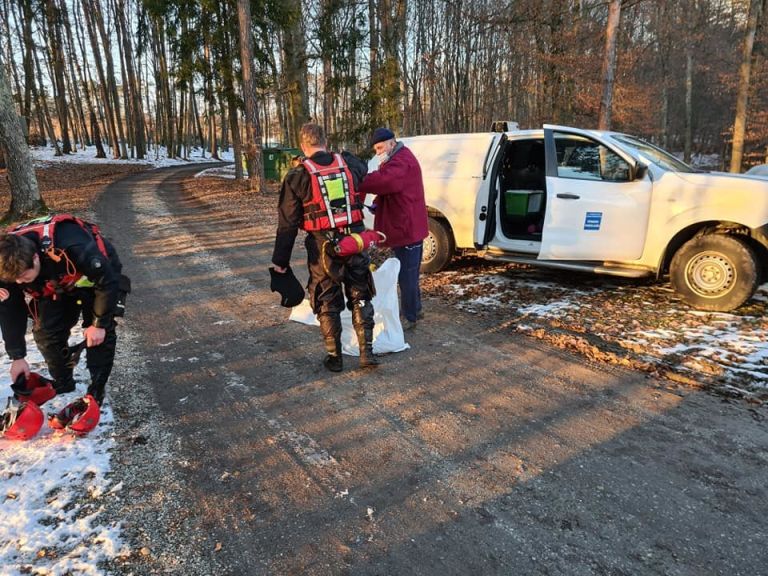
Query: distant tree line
x: 131, y: 75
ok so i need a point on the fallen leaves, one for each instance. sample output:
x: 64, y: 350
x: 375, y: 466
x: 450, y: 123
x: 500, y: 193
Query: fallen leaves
x: 642, y: 326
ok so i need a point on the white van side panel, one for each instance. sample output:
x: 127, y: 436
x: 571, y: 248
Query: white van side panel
x: 452, y: 169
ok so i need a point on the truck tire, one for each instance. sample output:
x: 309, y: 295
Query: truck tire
x: 715, y: 272
x: 438, y: 247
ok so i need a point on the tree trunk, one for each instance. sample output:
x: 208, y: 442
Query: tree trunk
x: 25, y: 9
x: 25, y: 195
x: 75, y: 75
x: 609, y: 64
x: 6, y: 16
x: 53, y: 18
x: 83, y: 73
x: 111, y: 87
x: 127, y: 99
x: 756, y: 8
x: 100, y: 153
x: 137, y: 112
x: 197, y: 126
x: 373, y: 57
x: 165, y: 86
x: 105, y: 100
x: 295, y: 72
x: 252, y: 126
x: 210, y: 103
x: 43, y: 104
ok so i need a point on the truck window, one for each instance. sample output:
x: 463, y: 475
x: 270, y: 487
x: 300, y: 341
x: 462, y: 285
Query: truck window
x: 585, y: 159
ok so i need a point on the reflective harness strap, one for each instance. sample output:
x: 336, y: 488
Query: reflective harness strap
x: 32, y: 307
x: 318, y: 183
x: 320, y: 176
x: 67, y: 281
x: 346, y: 183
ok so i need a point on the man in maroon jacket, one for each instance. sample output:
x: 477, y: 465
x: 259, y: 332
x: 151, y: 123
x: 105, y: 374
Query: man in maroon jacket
x: 400, y: 213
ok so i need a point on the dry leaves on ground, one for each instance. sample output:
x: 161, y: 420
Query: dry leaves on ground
x: 70, y: 187
x: 641, y: 325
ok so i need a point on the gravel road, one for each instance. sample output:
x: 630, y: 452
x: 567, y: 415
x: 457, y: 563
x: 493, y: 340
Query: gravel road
x: 477, y: 451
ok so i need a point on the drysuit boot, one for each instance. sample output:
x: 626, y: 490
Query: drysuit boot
x: 98, y: 384
x: 362, y: 320
x: 333, y: 360
x: 99, y: 360
x: 330, y: 327
x: 64, y: 384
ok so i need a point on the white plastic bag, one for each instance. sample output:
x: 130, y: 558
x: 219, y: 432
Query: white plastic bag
x: 387, y: 331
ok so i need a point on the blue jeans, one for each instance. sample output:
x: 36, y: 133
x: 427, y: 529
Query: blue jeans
x: 408, y: 279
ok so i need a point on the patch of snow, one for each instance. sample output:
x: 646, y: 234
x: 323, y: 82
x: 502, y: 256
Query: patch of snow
x: 157, y: 157
x: 731, y: 346
x: 52, y: 487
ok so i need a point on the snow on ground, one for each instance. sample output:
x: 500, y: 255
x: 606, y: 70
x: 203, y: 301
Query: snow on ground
x: 157, y: 157
x: 227, y: 172
x: 51, y: 489
x: 647, y: 321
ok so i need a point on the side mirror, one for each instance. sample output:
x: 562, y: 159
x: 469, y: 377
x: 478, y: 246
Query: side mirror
x: 639, y: 171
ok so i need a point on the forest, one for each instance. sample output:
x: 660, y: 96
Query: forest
x: 196, y: 76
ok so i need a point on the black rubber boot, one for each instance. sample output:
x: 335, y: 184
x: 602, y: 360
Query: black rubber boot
x: 98, y: 385
x: 64, y: 384
x: 333, y: 360
x: 330, y: 328
x: 362, y: 320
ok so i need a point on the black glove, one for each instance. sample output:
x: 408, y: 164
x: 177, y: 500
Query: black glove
x: 290, y: 289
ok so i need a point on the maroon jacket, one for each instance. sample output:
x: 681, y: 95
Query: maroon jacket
x: 401, y: 212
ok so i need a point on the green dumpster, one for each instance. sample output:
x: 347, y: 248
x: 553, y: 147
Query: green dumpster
x: 277, y: 161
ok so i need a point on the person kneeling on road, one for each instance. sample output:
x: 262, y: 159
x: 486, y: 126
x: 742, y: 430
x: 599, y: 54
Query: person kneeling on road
x: 54, y: 269
x: 320, y: 195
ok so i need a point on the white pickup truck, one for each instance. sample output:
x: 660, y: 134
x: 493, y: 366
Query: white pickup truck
x: 594, y: 201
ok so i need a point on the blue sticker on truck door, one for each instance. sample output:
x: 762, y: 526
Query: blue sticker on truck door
x: 593, y: 220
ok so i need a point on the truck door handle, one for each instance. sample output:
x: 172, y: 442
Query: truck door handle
x: 569, y: 196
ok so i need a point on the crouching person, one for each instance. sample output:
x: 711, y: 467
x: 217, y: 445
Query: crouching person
x: 55, y: 270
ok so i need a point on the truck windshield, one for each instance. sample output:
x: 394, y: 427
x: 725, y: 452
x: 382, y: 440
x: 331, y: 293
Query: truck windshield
x: 656, y: 155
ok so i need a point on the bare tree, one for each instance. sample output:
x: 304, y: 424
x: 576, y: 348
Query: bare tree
x: 25, y: 195
x: 295, y: 71
x: 609, y: 64
x: 252, y: 126
x: 137, y: 111
x: 756, y: 9
x: 56, y: 52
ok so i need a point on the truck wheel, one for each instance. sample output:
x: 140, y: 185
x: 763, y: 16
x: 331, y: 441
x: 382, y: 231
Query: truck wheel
x: 438, y: 247
x: 715, y: 272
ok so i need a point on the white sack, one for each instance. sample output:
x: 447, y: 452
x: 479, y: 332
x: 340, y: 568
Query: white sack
x: 387, y: 331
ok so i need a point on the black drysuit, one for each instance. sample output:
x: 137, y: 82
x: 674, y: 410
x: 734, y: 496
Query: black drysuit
x: 54, y: 316
x: 328, y: 272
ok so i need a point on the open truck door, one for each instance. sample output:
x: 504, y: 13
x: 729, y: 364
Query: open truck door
x: 598, y: 199
x: 485, y: 205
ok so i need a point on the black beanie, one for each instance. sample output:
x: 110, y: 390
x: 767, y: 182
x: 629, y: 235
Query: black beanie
x: 381, y: 135
x: 290, y: 289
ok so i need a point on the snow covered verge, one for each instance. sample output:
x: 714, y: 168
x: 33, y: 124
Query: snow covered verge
x: 53, y: 491
x: 156, y: 157
x: 638, y: 325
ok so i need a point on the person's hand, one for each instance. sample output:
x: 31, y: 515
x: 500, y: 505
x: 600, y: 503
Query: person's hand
x: 279, y: 269
x: 94, y: 336
x: 19, y: 367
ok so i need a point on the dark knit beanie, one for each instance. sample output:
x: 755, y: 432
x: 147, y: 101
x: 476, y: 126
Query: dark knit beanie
x: 381, y: 135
